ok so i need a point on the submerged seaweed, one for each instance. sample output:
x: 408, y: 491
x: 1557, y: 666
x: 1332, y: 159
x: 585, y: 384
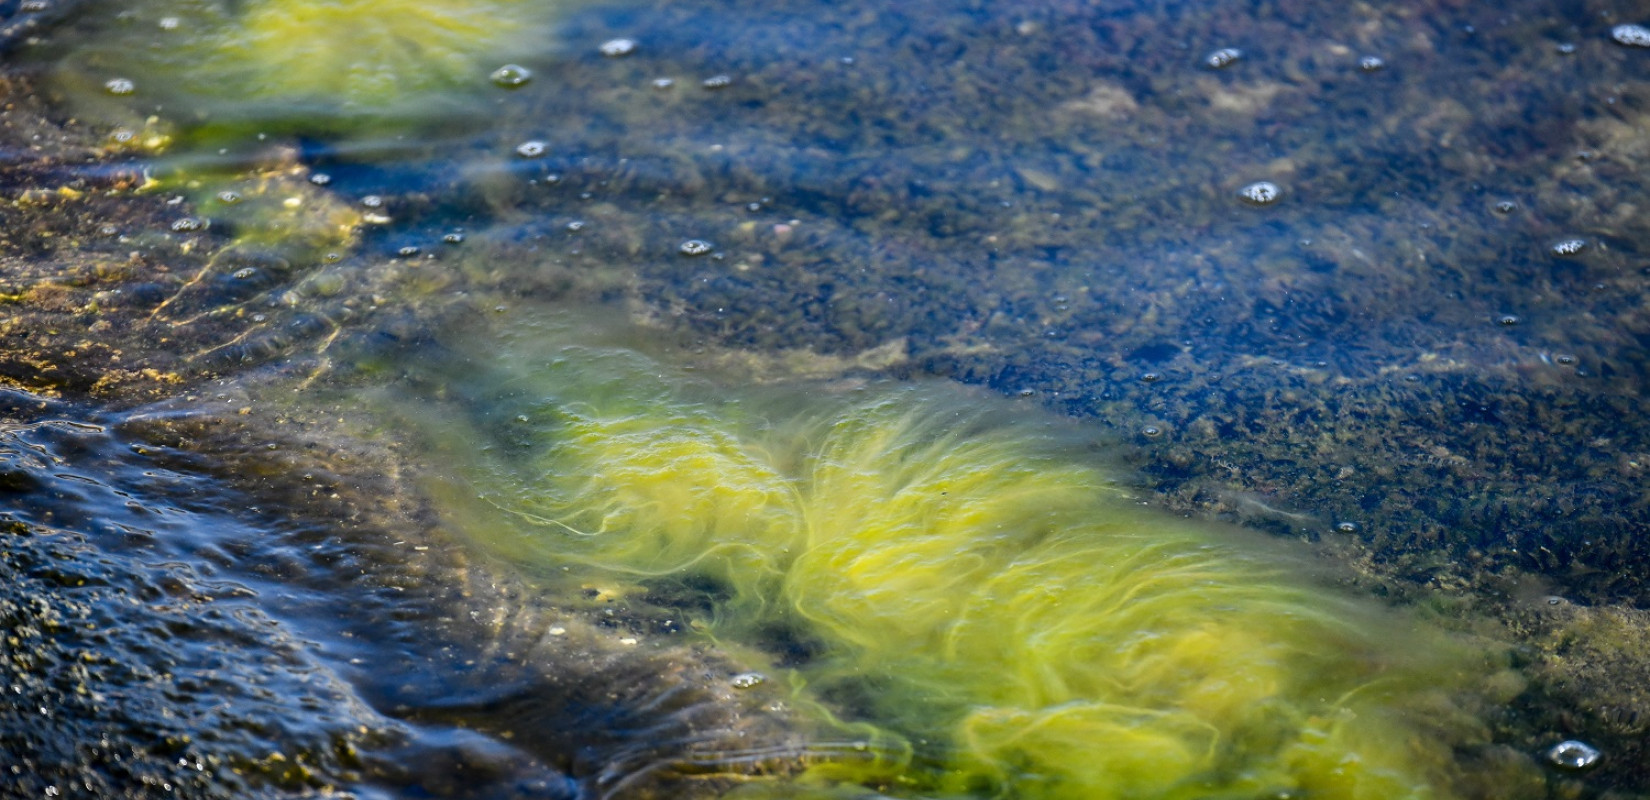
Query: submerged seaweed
x: 310, y: 66
x: 974, y: 585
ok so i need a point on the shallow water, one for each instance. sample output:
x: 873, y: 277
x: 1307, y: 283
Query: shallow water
x: 228, y: 273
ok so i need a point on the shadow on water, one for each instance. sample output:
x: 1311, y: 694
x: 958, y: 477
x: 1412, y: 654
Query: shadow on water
x: 1425, y: 354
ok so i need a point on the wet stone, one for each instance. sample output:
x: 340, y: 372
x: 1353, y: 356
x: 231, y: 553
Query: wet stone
x: 1573, y: 754
x: 1631, y: 35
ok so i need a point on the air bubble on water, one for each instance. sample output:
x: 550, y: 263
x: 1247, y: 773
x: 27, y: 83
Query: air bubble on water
x: 1260, y: 193
x: 408, y: 252
x: 616, y: 48
x: 717, y: 82
x: 1223, y: 58
x: 120, y: 87
x: 121, y: 136
x: 694, y: 247
x: 1346, y: 527
x: 320, y: 179
x: 373, y: 201
x: 244, y: 272
x: 229, y: 197
x: 170, y: 23
x: 1569, y: 248
x: 1506, y: 207
x: 188, y: 224
x: 1573, y: 754
x: 531, y: 149
x: 1371, y: 63
x: 1631, y: 35
x: 1508, y: 320
x: 453, y: 238
x: 575, y: 226
x: 511, y: 76
x: 663, y: 83
x: 746, y: 680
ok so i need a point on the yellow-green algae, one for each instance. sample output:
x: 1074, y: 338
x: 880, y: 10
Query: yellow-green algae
x: 310, y: 66
x: 972, y: 582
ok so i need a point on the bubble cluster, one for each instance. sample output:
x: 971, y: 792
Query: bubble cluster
x: 717, y: 82
x: 511, y: 76
x: 1573, y: 754
x: 747, y: 680
x: 120, y: 87
x: 1569, y: 248
x: 1223, y: 58
x: 1631, y: 35
x: 1260, y: 193
x: 188, y: 224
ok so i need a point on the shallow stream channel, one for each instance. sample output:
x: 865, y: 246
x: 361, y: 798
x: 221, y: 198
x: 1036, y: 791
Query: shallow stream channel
x: 931, y: 399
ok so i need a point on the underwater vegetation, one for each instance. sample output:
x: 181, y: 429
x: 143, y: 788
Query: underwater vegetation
x: 297, y: 65
x: 955, y: 577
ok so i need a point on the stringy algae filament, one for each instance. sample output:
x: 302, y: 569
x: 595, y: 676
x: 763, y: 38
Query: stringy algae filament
x: 968, y: 583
